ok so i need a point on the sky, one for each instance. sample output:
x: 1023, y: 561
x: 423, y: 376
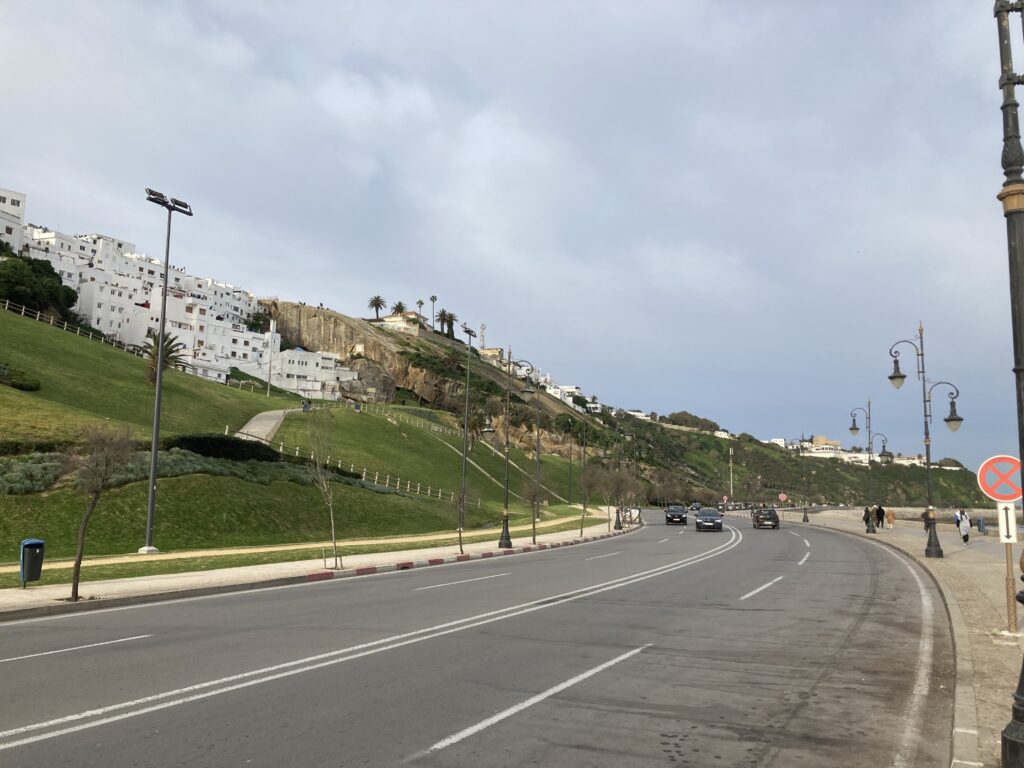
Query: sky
x: 691, y: 205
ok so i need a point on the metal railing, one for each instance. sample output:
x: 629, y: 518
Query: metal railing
x: 370, y: 476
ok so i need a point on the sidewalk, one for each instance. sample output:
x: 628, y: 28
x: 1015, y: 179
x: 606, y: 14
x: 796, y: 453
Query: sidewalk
x: 972, y: 580
x: 51, y: 599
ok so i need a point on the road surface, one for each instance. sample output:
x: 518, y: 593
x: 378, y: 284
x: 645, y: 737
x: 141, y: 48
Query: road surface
x: 666, y: 647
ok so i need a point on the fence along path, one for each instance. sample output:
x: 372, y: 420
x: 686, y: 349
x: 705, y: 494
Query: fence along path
x: 371, y: 476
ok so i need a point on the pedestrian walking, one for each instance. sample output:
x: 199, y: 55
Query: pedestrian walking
x: 879, y: 516
x: 890, y: 519
x: 965, y: 526
x: 956, y: 518
x: 866, y: 517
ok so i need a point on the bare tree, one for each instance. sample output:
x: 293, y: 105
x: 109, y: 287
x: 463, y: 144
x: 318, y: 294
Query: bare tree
x: 591, y: 479
x: 319, y: 469
x: 104, y: 451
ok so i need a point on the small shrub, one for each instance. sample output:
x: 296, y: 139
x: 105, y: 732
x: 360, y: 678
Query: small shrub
x: 18, y: 379
x: 31, y: 473
x: 223, y: 447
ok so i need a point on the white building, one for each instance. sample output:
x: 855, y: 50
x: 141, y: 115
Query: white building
x: 12, y: 218
x: 314, y: 375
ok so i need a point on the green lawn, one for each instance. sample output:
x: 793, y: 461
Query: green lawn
x: 85, y: 382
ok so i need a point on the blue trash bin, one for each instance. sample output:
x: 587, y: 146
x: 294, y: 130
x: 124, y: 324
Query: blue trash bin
x: 982, y: 529
x: 31, y: 560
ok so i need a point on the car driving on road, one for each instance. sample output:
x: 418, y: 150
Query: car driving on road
x: 708, y: 519
x: 675, y: 515
x: 765, y: 518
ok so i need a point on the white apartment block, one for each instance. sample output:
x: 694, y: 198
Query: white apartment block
x: 12, y: 218
x: 119, y: 294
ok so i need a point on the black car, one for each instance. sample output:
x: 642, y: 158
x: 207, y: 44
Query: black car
x: 708, y: 519
x: 765, y: 518
x: 675, y: 515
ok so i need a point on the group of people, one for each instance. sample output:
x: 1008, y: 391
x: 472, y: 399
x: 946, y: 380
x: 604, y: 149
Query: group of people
x: 883, y: 518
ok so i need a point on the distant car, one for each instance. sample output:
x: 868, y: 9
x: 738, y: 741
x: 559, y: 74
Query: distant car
x: 765, y: 518
x: 708, y: 519
x: 695, y: 507
x: 675, y: 515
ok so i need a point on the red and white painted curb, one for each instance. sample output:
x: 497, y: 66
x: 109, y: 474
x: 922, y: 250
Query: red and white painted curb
x: 407, y: 564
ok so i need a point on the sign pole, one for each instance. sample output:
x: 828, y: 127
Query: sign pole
x: 1011, y: 602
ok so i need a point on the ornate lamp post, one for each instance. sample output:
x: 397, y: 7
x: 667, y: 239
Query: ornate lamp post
x: 173, y: 205
x: 1012, y: 198
x: 505, y: 542
x: 470, y: 334
x: 953, y: 421
x: 535, y: 501
x: 854, y: 430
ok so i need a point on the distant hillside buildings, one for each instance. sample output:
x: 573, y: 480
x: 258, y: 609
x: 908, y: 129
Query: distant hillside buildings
x: 119, y: 293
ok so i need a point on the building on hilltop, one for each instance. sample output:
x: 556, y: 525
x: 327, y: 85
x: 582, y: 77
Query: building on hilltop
x: 12, y: 218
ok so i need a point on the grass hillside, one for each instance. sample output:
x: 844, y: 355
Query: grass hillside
x: 85, y: 382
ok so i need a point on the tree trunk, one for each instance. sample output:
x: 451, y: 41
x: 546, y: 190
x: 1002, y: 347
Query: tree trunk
x: 334, y: 540
x: 80, y: 549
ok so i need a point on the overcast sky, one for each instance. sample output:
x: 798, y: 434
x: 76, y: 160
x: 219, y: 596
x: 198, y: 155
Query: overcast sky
x: 728, y: 209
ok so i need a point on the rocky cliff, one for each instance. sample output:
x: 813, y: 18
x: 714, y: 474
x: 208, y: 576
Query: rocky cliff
x: 373, y: 352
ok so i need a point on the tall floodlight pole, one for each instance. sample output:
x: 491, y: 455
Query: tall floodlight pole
x: 1012, y: 198
x: 270, y: 353
x: 173, y: 205
x: 470, y: 333
x: 953, y: 421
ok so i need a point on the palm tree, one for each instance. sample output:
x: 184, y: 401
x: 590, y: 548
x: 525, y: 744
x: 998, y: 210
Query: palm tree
x: 174, y: 354
x: 433, y: 300
x: 452, y: 320
x: 377, y: 303
x: 442, y: 319
x: 419, y: 306
x: 398, y: 308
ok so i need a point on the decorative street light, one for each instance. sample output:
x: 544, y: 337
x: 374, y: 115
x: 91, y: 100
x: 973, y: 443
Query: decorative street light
x: 583, y: 466
x: 855, y: 430
x: 1012, y: 198
x: 505, y: 542
x: 173, y: 205
x: 953, y: 421
x: 470, y: 334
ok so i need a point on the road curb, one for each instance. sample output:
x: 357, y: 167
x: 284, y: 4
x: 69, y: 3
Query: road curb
x: 100, y: 603
x: 965, y: 704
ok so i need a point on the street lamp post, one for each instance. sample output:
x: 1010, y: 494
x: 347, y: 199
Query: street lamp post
x: 583, y: 466
x: 470, y: 334
x: 854, y: 430
x: 953, y: 421
x: 173, y: 205
x: 1012, y: 198
x: 505, y: 542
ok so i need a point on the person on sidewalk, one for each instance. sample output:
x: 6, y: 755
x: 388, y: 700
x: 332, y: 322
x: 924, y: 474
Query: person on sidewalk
x: 890, y: 519
x: 965, y: 526
x: 866, y: 517
x: 879, y: 516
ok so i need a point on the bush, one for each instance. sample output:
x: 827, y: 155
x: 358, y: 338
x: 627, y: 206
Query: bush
x: 12, y: 447
x: 32, y: 473
x: 18, y: 379
x: 223, y: 447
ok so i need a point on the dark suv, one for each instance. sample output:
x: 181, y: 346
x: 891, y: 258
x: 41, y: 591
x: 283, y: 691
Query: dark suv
x: 675, y: 515
x: 765, y: 518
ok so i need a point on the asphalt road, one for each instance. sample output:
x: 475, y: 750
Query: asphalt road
x: 666, y: 647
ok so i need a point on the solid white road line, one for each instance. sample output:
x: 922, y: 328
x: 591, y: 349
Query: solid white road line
x: 298, y: 666
x: 913, y: 711
x: 761, y: 588
x: 483, y: 724
x: 75, y: 648
x: 598, y: 557
x: 663, y: 541
x: 464, y: 581
x: 804, y: 559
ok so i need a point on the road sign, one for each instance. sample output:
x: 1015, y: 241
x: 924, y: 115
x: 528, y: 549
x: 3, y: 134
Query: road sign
x: 996, y: 478
x: 1007, y: 516
x: 725, y: 498
x: 783, y: 497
